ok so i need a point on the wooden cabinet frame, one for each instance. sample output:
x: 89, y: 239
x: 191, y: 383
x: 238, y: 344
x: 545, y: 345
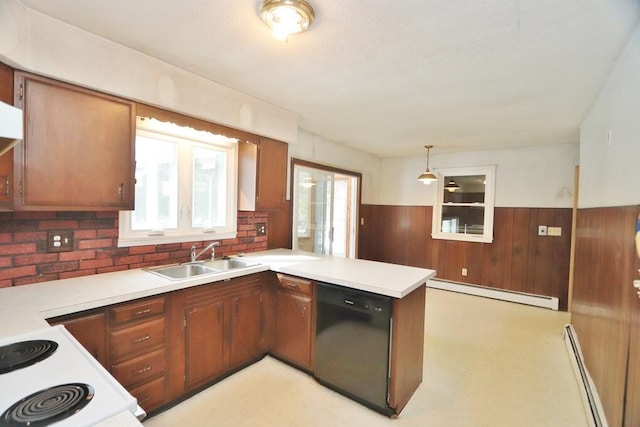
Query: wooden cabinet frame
x: 191, y: 316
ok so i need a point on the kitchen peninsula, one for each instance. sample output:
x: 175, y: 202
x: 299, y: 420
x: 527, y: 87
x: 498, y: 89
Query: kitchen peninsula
x: 267, y: 285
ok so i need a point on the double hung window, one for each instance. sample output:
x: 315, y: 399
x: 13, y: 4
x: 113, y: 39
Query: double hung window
x: 464, y: 209
x: 186, y: 186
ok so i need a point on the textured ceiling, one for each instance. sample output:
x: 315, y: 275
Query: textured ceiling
x: 388, y: 77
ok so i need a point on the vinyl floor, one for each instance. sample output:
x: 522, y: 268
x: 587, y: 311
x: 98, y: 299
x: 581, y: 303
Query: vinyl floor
x: 486, y: 363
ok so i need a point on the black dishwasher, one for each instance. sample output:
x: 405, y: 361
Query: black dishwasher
x: 352, y: 344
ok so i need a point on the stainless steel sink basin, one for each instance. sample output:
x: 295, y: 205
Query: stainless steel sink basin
x: 228, y: 264
x: 182, y: 271
x: 185, y: 271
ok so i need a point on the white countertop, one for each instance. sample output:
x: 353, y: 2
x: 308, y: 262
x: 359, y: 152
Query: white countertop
x: 25, y: 308
x: 381, y: 278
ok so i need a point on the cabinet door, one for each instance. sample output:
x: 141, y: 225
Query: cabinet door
x: 262, y: 175
x: 204, y: 340
x: 91, y: 332
x: 272, y: 174
x: 78, y: 148
x: 245, y: 327
x: 6, y: 160
x: 293, y: 327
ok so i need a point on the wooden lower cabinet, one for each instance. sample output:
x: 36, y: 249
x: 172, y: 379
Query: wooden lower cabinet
x: 245, y: 326
x: 293, y: 321
x: 222, y: 328
x: 407, y: 347
x: 137, y: 343
x: 165, y: 347
x: 90, y: 329
x: 204, y: 340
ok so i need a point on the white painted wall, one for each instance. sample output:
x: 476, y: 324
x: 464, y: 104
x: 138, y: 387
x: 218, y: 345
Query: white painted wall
x: 320, y: 150
x: 540, y: 176
x: 34, y: 42
x: 529, y: 177
x: 610, y: 165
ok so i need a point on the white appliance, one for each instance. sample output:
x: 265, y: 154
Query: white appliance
x: 68, y: 364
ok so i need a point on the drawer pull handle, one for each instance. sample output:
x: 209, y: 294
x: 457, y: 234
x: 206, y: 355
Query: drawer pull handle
x: 142, y: 370
x: 141, y: 312
x: 145, y: 400
x: 292, y: 286
x: 141, y: 339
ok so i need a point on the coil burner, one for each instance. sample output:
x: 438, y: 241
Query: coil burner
x: 25, y: 353
x: 48, y: 406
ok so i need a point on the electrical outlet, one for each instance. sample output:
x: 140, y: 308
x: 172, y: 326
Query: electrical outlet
x: 464, y: 271
x: 261, y: 229
x: 60, y: 241
x: 542, y: 230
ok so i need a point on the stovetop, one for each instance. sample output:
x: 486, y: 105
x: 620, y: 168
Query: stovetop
x: 68, y: 376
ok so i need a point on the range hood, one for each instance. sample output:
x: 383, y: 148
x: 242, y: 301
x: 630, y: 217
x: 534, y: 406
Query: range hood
x: 10, y: 127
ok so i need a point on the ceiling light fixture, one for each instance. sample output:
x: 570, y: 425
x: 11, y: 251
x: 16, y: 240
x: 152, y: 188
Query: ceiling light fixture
x: 427, y: 177
x: 451, y: 186
x: 286, y: 17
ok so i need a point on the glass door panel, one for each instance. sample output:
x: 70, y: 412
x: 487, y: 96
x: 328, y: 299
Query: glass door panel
x: 324, y: 209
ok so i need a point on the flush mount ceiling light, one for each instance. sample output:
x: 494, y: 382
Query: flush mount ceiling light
x: 286, y: 17
x: 427, y: 177
x: 451, y: 186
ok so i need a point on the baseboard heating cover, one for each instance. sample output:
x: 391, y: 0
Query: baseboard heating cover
x: 500, y: 294
x: 590, y: 397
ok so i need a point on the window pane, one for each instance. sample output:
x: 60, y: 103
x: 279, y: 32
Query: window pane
x: 463, y: 219
x: 470, y: 189
x: 156, y: 185
x: 209, y: 188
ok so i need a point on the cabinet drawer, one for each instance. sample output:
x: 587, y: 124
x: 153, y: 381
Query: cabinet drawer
x: 137, y: 310
x: 297, y: 284
x: 140, y: 369
x: 150, y: 395
x: 136, y: 339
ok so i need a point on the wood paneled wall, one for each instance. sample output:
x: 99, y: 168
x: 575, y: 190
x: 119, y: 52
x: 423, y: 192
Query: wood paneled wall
x: 518, y: 259
x: 606, y: 309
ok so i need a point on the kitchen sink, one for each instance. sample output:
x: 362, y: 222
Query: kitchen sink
x: 182, y: 271
x: 187, y: 270
x: 228, y: 264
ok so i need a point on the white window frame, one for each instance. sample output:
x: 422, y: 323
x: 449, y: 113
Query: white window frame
x: 489, y: 203
x: 186, y: 138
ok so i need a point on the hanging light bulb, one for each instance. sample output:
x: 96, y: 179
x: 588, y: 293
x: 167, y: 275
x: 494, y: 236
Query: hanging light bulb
x: 427, y: 177
x: 451, y: 186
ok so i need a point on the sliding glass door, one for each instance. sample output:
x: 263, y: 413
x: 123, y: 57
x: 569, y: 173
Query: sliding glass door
x: 325, y: 205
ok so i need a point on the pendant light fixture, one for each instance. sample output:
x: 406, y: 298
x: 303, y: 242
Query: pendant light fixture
x: 286, y: 17
x: 451, y: 186
x: 427, y: 177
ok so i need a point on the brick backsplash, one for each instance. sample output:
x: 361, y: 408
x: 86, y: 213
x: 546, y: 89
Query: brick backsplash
x: 23, y: 246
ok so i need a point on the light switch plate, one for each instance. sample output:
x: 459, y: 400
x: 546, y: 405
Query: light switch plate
x: 542, y: 230
x: 554, y: 231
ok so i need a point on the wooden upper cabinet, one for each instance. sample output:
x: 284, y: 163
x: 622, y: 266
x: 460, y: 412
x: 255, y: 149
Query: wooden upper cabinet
x: 78, y: 149
x: 6, y: 160
x: 262, y: 171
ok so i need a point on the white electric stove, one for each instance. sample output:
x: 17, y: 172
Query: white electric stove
x: 47, y: 377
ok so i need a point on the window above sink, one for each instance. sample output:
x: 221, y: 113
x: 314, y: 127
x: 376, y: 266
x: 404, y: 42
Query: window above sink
x: 186, y: 186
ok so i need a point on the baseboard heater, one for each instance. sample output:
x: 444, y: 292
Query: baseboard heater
x: 500, y: 294
x: 590, y: 397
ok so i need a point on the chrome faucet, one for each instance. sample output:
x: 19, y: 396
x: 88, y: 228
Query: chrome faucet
x: 194, y: 256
